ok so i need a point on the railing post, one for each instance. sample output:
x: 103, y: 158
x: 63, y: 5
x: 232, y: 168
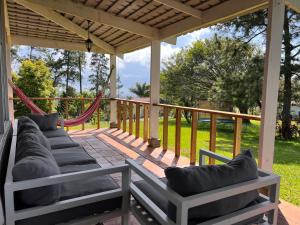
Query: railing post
x: 98, y: 116
x: 238, y: 124
x: 146, y: 122
x: 194, y: 137
x: 130, y: 117
x: 119, y: 115
x: 165, y: 128
x: 124, y: 113
x: 178, y: 132
x: 67, y: 111
x: 213, y: 135
x: 82, y: 110
x: 137, y: 120
x: 50, y: 106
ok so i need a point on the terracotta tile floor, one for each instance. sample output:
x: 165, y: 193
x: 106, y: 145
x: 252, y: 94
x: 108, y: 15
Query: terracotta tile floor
x: 111, y: 147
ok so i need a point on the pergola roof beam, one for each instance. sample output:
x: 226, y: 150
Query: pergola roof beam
x: 66, y: 23
x: 7, y: 28
x: 220, y: 13
x: 294, y: 4
x: 181, y: 7
x: 217, y: 14
x: 99, y: 16
x: 50, y: 43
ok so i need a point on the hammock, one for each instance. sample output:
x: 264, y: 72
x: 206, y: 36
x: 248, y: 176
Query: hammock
x: 67, y: 123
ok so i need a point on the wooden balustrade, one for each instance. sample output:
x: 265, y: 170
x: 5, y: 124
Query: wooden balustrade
x: 214, y: 114
x: 130, y: 110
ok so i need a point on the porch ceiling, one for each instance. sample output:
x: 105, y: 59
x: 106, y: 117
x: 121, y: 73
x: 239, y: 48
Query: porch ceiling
x: 117, y: 26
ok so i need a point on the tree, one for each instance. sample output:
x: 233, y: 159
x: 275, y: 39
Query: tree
x: 141, y: 90
x: 100, y: 73
x: 81, y: 63
x: 34, y: 79
x: 253, y: 27
x: 213, y: 69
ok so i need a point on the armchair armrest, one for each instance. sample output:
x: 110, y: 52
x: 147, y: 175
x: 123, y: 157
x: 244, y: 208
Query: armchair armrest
x: 203, y: 153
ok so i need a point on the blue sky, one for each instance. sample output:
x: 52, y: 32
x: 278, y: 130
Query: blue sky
x: 135, y: 66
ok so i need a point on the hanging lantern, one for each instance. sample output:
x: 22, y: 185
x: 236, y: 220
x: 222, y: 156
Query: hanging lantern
x: 88, y: 42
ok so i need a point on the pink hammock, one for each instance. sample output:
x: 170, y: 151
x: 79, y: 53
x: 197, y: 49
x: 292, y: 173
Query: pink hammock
x: 67, y: 123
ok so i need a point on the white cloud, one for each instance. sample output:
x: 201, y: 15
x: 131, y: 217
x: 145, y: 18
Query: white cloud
x: 198, y: 34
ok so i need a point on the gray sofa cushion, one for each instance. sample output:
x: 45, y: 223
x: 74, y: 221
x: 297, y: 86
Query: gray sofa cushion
x: 25, y: 123
x: 45, y: 122
x: 29, y: 144
x: 76, y: 168
x: 55, y: 133
x: 31, y: 135
x: 72, y: 156
x: 88, y: 186
x: 198, y: 179
x: 62, y: 142
x: 37, y: 166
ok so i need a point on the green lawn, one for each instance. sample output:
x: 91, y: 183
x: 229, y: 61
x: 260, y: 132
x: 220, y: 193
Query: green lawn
x: 287, y: 153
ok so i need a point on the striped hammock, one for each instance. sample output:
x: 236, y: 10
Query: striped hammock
x: 86, y: 115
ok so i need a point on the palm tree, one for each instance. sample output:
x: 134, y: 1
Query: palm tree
x: 141, y: 90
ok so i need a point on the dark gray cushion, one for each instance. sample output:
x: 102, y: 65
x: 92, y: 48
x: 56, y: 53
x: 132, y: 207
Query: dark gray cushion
x: 32, y: 135
x: 72, y: 156
x: 25, y: 123
x: 45, y: 122
x: 37, y: 166
x: 62, y: 142
x: 55, y: 133
x: 76, y: 168
x: 88, y: 186
x: 198, y: 179
x: 29, y: 144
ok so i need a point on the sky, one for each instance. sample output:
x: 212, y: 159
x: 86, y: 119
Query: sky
x: 135, y: 66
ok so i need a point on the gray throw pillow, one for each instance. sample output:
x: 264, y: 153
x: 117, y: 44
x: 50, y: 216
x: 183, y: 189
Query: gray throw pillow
x: 31, y: 144
x: 32, y: 167
x: 34, y: 135
x: 25, y: 123
x: 45, y: 122
x: 198, y: 179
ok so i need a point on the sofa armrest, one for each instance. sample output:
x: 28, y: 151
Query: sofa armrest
x: 11, y: 187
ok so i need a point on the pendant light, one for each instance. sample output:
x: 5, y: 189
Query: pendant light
x: 88, y: 42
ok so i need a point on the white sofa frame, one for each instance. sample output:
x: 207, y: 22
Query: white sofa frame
x: 10, y: 187
x: 265, y: 180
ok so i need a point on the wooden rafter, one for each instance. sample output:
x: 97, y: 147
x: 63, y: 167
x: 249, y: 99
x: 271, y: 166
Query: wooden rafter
x: 7, y: 28
x: 66, y: 23
x: 99, y: 16
x: 220, y: 13
x: 181, y: 7
x: 294, y: 4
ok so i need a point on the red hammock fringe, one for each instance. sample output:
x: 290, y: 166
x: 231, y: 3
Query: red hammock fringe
x: 67, y: 123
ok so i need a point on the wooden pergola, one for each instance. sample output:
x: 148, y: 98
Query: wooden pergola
x: 121, y: 26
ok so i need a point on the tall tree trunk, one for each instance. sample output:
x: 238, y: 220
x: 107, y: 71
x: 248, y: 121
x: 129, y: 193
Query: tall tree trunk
x: 287, y: 71
x: 80, y: 75
x: 68, y: 72
x: 244, y: 110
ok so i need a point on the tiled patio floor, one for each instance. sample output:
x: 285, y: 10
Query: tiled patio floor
x: 111, y: 147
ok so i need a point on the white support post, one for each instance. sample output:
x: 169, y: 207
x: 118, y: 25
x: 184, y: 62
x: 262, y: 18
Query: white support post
x: 271, y: 83
x: 113, y: 91
x: 4, y: 114
x: 154, y: 93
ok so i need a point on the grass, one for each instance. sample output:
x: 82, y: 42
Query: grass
x: 287, y: 153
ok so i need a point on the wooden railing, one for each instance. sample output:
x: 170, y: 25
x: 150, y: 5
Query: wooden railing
x: 66, y: 101
x: 125, y: 113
